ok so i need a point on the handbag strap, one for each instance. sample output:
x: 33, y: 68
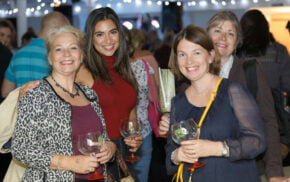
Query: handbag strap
x: 249, y: 67
x: 150, y: 82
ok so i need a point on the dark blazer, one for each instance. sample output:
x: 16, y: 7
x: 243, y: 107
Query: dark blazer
x: 271, y: 160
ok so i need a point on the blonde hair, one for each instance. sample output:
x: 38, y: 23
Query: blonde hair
x: 65, y: 29
x: 137, y: 38
x: 226, y: 15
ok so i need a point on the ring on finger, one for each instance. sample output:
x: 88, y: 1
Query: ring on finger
x: 193, y: 153
x: 92, y: 169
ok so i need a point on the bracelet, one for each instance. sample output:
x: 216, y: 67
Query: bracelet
x: 225, y: 150
x: 60, y: 157
x: 171, y: 157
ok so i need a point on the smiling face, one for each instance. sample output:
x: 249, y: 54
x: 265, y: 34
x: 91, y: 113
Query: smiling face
x: 65, y: 54
x: 224, y: 37
x: 106, y: 37
x: 193, y: 60
x: 5, y: 35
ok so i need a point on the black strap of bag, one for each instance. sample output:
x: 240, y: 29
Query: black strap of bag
x: 251, y: 76
x: 282, y: 115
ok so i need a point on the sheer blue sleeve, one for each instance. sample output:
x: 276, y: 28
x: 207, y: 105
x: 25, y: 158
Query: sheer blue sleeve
x: 251, y: 141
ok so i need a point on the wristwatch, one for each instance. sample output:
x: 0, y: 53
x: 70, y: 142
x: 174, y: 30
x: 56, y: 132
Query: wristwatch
x: 225, y: 150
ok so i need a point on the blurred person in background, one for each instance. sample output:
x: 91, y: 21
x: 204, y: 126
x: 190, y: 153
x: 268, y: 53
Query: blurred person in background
x: 5, y: 32
x: 162, y: 53
x: 5, y: 56
x: 273, y: 58
x: 30, y: 62
x: 27, y: 37
x: 257, y: 44
x: 144, y: 97
x: 138, y: 40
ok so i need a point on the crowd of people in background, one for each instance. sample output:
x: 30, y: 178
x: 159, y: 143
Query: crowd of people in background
x: 69, y: 83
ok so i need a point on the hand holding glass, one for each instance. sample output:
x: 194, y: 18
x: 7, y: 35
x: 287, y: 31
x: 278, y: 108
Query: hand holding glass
x: 90, y: 144
x: 129, y: 129
x: 186, y: 130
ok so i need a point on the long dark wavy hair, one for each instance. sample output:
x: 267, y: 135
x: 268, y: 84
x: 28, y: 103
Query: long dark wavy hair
x: 256, y: 34
x: 93, y: 59
x: 198, y: 36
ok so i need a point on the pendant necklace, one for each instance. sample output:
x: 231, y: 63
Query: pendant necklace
x: 65, y: 90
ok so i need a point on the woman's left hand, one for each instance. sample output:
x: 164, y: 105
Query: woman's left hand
x: 134, y: 143
x: 26, y: 87
x: 201, y: 148
x: 106, y: 152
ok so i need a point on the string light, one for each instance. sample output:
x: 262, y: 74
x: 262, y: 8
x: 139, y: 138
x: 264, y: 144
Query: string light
x: 128, y: 24
x: 40, y: 7
x: 159, y: 3
x: 203, y: 3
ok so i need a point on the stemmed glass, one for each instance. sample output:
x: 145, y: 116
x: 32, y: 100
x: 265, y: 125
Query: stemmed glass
x: 90, y: 144
x: 186, y: 130
x: 130, y: 129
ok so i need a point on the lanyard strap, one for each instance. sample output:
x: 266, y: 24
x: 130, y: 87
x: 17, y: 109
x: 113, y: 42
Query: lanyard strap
x: 212, y: 97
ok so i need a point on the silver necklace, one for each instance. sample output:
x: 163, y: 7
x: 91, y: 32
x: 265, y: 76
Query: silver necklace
x: 65, y: 90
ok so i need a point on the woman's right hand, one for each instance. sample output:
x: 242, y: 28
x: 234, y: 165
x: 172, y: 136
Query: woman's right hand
x: 135, y: 143
x: 181, y: 155
x: 164, y: 124
x: 83, y: 164
x: 78, y: 163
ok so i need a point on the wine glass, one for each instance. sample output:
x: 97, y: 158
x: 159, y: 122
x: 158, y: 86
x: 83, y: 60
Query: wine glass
x: 90, y: 144
x: 130, y: 129
x: 186, y: 130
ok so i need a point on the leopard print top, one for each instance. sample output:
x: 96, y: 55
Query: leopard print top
x: 43, y: 128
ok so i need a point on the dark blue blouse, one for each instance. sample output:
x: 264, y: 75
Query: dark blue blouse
x: 233, y: 117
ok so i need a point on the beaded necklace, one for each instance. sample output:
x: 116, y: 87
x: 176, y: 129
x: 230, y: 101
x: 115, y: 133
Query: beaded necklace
x: 65, y: 90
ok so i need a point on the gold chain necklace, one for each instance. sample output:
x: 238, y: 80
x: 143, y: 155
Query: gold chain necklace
x: 65, y: 90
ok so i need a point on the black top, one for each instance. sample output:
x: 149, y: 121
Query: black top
x: 5, y: 57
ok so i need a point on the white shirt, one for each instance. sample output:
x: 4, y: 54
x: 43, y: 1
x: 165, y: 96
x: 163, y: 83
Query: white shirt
x: 225, y: 70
